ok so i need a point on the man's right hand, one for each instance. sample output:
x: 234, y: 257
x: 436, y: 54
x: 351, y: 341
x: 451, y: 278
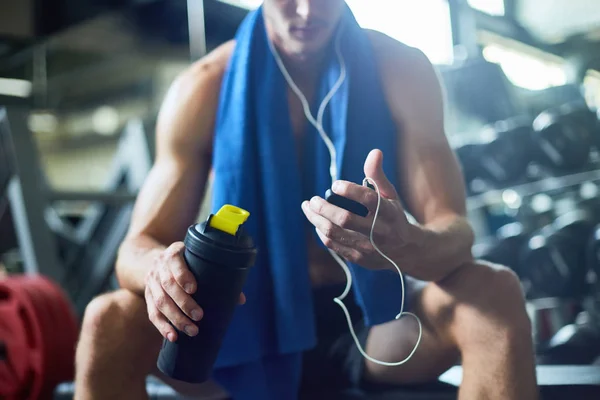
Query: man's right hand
x: 169, y: 286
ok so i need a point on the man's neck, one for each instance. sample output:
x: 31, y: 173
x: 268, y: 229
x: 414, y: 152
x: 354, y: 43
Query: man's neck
x: 305, y: 72
x: 304, y: 69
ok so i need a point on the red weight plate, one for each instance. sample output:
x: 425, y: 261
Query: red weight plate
x: 31, y: 332
x: 13, y: 369
x: 38, y: 352
x: 41, y: 304
x: 48, y: 329
x: 64, y: 334
x: 68, y: 339
x: 52, y: 331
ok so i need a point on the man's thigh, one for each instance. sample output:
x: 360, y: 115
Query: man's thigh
x: 395, y: 340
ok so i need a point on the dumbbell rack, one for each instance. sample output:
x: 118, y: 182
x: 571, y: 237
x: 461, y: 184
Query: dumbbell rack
x: 546, y: 185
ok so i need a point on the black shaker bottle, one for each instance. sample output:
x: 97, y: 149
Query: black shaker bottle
x: 219, y: 254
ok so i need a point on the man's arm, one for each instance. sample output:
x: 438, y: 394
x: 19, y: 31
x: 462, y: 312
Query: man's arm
x: 431, y: 184
x: 172, y: 193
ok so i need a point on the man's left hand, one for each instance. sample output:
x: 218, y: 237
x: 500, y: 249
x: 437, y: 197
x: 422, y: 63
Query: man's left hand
x: 348, y: 234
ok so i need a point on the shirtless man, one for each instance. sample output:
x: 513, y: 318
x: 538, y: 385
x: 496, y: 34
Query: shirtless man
x: 471, y: 311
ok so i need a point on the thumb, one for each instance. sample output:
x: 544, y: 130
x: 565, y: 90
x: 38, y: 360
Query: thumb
x: 374, y: 170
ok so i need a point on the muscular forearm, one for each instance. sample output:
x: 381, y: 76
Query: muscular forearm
x: 136, y: 256
x: 444, y: 245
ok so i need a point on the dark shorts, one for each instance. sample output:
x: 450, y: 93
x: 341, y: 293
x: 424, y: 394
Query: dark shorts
x: 335, y: 362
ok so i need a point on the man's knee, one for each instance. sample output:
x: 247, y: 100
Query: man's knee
x: 99, y: 313
x: 111, y: 312
x: 116, y: 322
x: 489, y: 304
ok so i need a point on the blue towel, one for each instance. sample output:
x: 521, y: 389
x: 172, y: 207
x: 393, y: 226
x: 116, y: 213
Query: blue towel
x: 256, y: 167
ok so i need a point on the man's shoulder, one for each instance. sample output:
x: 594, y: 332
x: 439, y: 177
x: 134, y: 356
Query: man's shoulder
x: 206, y: 74
x: 395, y: 56
x: 410, y: 81
x: 191, y: 104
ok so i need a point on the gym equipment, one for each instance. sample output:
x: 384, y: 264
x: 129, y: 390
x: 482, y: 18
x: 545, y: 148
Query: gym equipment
x: 555, y: 96
x: 48, y: 242
x: 563, y: 138
x: 593, y: 252
x: 584, y: 117
x: 468, y: 155
x: 554, y: 381
x: 588, y: 198
x: 554, y: 259
x: 35, y: 240
x: 479, y: 90
x: 536, y: 212
x: 573, y: 344
x: 219, y: 253
x: 9, y: 240
x: 505, y: 247
x: 500, y: 156
x: 39, y: 331
x: 105, y: 224
x: 593, y: 245
x: 504, y: 158
x: 548, y: 315
x: 6, y: 168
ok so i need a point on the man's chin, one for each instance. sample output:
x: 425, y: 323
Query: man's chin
x: 306, y: 53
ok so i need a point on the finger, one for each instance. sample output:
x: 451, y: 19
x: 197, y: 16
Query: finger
x: 184, y: 301
x: 242, y: 298
x: 366, y: 257
x: 373, y: 169
x: 352, y: 223
x: 361, y: 194
x: 348, y: 253
x: 339, y: 216
x: 334, y: 232
x: 182, y: 274
x: 167, y: 307
x: 159, y: 320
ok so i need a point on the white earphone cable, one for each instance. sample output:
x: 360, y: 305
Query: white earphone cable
x: 318, y: 124
x: 339, y: 299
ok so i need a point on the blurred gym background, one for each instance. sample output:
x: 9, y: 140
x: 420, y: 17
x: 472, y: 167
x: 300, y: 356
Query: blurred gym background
x: 81, y: 82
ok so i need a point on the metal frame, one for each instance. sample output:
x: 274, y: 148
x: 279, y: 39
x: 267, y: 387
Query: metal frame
x: 89, y: 265
x: 28, y: 207
x: 464, y: 29
x: 131, y: 166
x: 196, y: 28
x: 118, y: 197
x: 99, y: 261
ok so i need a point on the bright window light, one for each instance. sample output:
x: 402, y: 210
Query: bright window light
x: 105, y: 120
x: 248, y: 4
x: 424, y: 24
x: 492, y: 7
x: 591, y: 86
x: 42, y: 122
x: 15, y: 87
x: 525, y: 70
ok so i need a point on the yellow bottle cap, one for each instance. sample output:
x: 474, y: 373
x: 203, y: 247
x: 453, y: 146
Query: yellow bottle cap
x: 229, y: 218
